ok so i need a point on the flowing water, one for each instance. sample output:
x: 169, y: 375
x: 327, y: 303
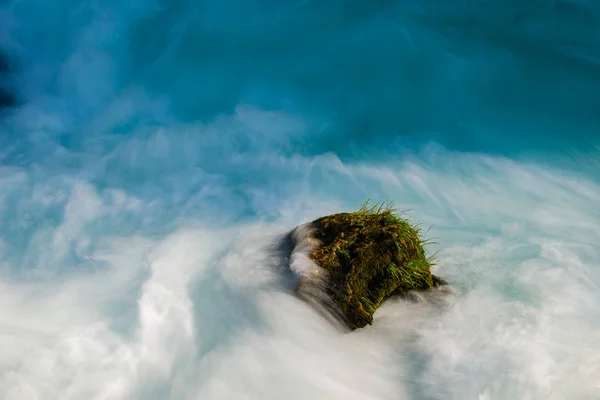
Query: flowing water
x: 160, y: 151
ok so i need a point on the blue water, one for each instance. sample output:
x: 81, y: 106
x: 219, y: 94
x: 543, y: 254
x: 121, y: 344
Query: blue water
x: 159, y: 150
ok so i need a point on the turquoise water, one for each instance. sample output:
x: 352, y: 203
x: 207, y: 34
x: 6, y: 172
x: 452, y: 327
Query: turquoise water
x: 160, y: 150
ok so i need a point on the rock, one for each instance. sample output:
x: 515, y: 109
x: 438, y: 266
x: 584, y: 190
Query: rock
x: 6, y: 98
x: 362, y: 258
x: 4, y: 68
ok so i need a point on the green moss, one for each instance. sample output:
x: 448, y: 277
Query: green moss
x: 369, y: 255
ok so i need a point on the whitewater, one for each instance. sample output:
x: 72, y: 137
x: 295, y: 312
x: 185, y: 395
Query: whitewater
x: 159, y: 152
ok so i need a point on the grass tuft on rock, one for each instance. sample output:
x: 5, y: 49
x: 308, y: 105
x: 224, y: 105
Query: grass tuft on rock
x: 370, y: 255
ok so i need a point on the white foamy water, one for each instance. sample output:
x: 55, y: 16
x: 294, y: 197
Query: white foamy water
x: 161, y: 151
x: 209, y: 312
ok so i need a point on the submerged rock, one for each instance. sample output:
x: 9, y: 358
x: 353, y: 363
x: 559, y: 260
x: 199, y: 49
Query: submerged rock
x: 7, y: 99
x: 362, y: 258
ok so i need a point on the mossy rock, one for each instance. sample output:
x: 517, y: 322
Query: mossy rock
x: 370, y: 255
